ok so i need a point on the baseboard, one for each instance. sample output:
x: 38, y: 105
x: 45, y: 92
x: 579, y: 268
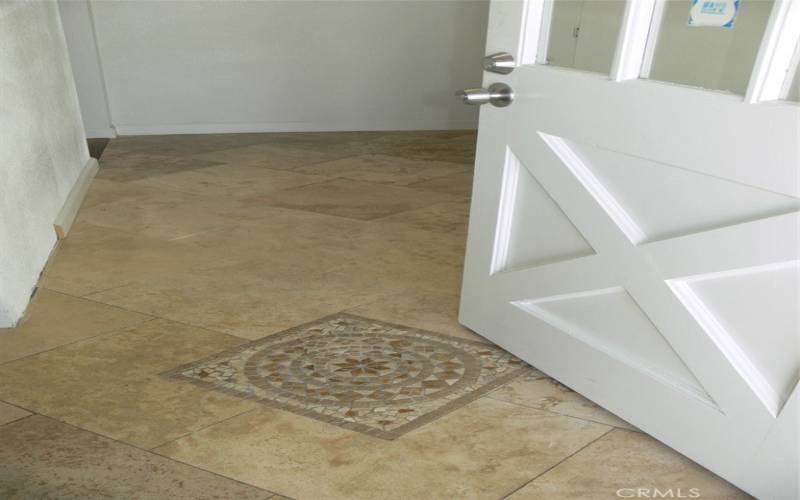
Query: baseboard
x: 101, y: 133
x: 66, y: 216
x: 233, y: 128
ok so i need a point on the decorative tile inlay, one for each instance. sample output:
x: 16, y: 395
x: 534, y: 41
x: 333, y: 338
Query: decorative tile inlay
x: 359, y: 373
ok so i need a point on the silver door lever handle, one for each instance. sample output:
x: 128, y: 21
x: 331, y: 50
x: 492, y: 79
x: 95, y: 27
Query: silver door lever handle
x: 498, y: 94
x: 500, y: 62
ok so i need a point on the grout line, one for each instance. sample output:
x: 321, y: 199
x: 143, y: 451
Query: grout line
x: 552, y: 412
x: 108, y: 333
x: 16, y: 406
x: 102, y: 290
x: 86, y: 298
x: 194, y: 466
x: 30, y: 414
x: 558, y: 463
x: 256, y: 406
x: 152, y: 317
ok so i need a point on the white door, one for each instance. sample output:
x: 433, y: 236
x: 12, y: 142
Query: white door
x: 635, y: 236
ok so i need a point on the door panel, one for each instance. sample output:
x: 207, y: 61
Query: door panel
x: 638, y: 241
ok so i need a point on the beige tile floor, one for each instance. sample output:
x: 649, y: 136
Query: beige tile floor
x: 187, y: 246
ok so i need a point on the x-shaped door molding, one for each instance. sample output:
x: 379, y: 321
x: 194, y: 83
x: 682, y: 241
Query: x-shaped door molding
x: 656, y: 274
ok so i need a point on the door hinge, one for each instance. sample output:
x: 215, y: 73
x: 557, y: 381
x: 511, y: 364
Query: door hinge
x: 576, y: 31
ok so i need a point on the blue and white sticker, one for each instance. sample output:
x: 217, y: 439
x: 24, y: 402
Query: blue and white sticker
x: 716, y: 13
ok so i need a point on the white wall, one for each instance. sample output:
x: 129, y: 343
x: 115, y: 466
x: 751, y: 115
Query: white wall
x: 76, y: 17
x: 200, y: 66
x: 42, y: 145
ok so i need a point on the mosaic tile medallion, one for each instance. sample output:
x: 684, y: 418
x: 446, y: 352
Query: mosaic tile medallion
x: 359, y: 373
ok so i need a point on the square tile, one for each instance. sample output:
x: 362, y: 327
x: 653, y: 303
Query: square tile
x: 231, y: 180
x: 353, y: 199
x: 451, y: 217
x: 283, y: 156
x: 455, y: 185
x: 45, y: 459
x: 111, y: 384
x: 132, y: 167
x: 622, y: 462
x: 162, y: 213
x: 365, y: 375
x: 54, y: 319
x: 548, y: 394
x: 483, y: 451
x: 384, y: 169
x: 424, y: 309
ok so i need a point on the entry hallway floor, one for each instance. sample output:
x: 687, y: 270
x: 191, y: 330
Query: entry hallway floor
x: 275, y: 315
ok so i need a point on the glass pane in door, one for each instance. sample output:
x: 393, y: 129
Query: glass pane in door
x: 583, y: 34
x: 711, y: 57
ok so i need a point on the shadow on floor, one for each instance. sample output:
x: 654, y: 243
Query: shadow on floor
x: 97, y: 146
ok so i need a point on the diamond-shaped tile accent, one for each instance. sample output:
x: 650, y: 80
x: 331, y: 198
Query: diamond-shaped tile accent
x: 362, y: 374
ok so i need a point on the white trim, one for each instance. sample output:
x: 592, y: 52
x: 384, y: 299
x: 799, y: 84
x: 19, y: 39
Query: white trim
x: 685, y: 388
x: 793, y: 68
x: 770, y: 398
x: 652, y: 38
x: 66, y: 216
x: 632, y: 42
x: 530, y: 38
x: 583, y: 173
x: 222, y: 128
x: 505, y: 214
x: 544, y: 32
x: 776, y: 54
x: 101, y: 133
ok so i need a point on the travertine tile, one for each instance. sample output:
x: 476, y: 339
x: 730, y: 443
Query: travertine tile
x: 10, y: 413
x: 454, y: 185
x: 106, y: 191
x: 54, y: 319
x: 42, y: 458
x: 277, y: 156
x: 447, y: 217
x: 231, y: 180
x: 99, y: 258
x: 384, y: 169
x: 112, y: 384
x: 354, y: 199
x: 164, y: 214
x: 249, y: 300
x: 433, y: 311
x: 276, y: 238
x: 402, y: 243
x: 484, y: 450
x: 400, y: 257
x: 624, y: 460
x: 548, y: 394
x: 452, y: 146
x: 135, y: 166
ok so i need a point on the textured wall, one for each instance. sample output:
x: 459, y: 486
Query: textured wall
x: 42, y: 145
